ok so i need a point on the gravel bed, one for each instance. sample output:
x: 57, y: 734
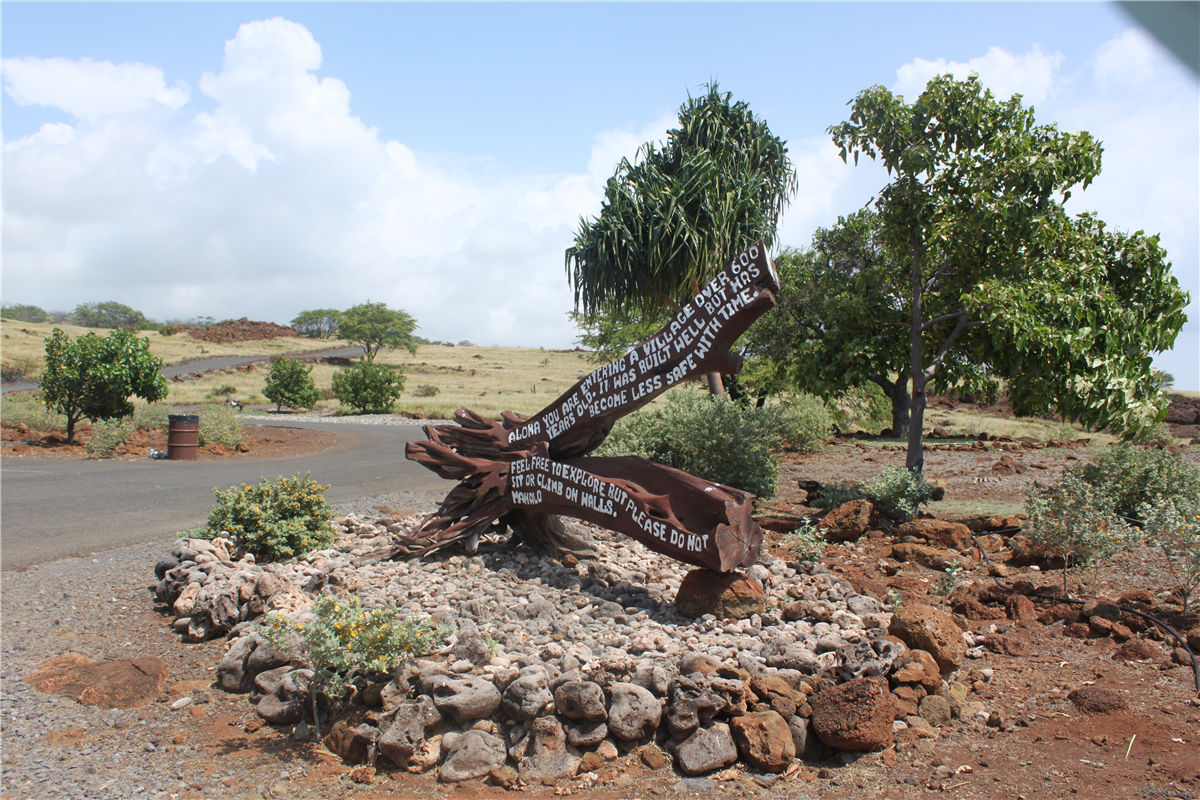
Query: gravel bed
x: 102, y: 607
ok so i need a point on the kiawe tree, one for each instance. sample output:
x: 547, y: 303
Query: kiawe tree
x: 672, y: 218
x: 93, y: 377
x: 997, y: 277
x: 375, y: 326
x: 317, y: 323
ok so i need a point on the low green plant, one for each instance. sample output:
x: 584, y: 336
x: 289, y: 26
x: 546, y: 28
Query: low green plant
x: 1075, y: 519
x: 426, y: 390
x: 151, y: 417
x: 345, y: 642
x: 864, y: 407
x: 219, y: 425
x: 807, y: 543
x: 1172, y: 527
x: 896, y: 492
x: 107, y: 436
x: 28, y: 409
x: 1134, y: 476
x: 803, y: 421
x: 714, y: 438
x: 290, y: 383
x: 895, y: 601
x: 368, y: 387
x: 949, y: 580
x: 276, y: 520
x: 223, y: 390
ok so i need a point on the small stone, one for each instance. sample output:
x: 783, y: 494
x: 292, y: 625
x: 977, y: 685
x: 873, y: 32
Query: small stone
x: 634, y: 712
x: 653, y: 757
x: 706, y: 750
x: 935, y: 709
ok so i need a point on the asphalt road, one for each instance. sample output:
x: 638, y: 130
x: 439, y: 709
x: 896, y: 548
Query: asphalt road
x: 59, y: 508
x: 208, y: 364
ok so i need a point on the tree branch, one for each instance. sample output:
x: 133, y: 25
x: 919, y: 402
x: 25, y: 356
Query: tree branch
x: 961, y: 326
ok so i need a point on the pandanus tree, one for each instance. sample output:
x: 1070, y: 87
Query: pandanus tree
x: 673, y: 217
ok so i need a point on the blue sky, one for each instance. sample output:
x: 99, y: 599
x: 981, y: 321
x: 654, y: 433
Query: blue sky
x: 260, y: 159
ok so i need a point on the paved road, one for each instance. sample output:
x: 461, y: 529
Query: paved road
x: 207, y: 364
x: 57, y: 508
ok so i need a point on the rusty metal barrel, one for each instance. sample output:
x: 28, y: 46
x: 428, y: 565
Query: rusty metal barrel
x: 183, y: 437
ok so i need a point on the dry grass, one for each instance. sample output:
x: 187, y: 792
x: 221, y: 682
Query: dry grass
x: 963, y: 422
x: 485, y: 379
x: 23, y: 344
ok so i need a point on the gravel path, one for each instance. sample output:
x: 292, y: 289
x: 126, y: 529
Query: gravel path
x: 102, y: 607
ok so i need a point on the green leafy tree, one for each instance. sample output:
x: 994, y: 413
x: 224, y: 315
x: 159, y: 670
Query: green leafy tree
x: 290, y: 383
x: 674, y: 217
x: 375, y: 326
x: 109, y: 315
x: 369, y: 387
x: 318, y: 323
x: 996, y: 274
x: 93, y: 377
x: 24, y: 313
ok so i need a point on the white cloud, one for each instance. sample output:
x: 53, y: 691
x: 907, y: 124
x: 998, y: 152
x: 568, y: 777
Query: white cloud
x: 279, y: 199
x: 1128, y: 59
x: 89, y: 89
x: 1031, y: 74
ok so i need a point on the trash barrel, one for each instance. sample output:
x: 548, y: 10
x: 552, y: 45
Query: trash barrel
x: 183, y: 437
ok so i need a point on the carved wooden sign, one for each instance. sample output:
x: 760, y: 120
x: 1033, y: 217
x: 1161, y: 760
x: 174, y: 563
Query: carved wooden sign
x: 521, y: 474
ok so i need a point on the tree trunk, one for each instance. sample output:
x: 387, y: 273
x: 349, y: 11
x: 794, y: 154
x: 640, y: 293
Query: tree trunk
x: 901, y: 407
x: 70, y: 430
x: 915, y: 459
x: 715, y: 384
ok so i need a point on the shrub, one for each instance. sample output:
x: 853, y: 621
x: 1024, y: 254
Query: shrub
x: 1134, y: 476
x: 864, y: 407
x: 93, y: 377
x: 711, y: 437
x: 1173, y: 528
x: 224, y: 390
x: 30, y: 410
x: 1075, y: 519
x: 219, y: 425
x: 107, y: 436
x: 24, y: 312
x: 151, y: 417
x: 369, y: 387
x: 426, y: 390
x: 896, y: 492
x: 290, y: 383
x: 18, y: 370
x: 276, y: 520
x: 803, y: 422
x: 807, y: 543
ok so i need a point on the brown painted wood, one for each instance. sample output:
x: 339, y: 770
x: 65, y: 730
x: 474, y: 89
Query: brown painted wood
x: 520, y: 474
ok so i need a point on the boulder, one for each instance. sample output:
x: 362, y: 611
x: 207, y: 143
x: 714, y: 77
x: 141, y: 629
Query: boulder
x: 926, y: 628
x: 938, y: 533
x: 585, y: 734
x: 727, y: 595
x: 581, y: 700
x: 690, y: 704
x: 465, y: 699
x: 548, y: 757
x: 706, y: 750
x: 404, y: 734
x: 280, y: 711
x: 763, y: 740
x: 528, y: 697
x: 848, y: 522
x: 633, y: 712
x: 474, y: 755
x: 930, y: 557
x: 935, y: 710
x: 351, y: 738
x: 856, y: 715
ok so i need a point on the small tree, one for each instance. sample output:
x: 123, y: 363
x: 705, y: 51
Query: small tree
x: 319, y: 323
x: 375, y: 326
x: 93, y: 377
x: 290, y: 383
x: 109, y: 315
x: 24, y: 313
x: 369, y: 387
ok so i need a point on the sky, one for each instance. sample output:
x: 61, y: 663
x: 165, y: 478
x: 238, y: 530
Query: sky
x: 261, y: 159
